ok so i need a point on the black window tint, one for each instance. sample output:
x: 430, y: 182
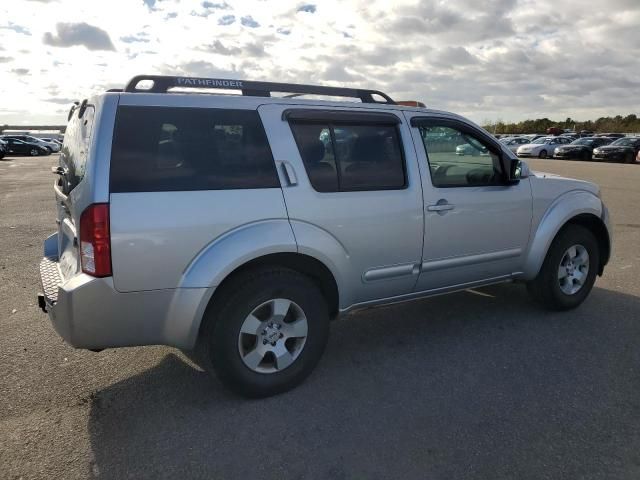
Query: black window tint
x: 316, y: 149
x: 458, y: 159
x: 173, y: 149
x: 351, y: 157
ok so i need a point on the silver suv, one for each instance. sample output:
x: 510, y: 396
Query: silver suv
x: 238, y: 226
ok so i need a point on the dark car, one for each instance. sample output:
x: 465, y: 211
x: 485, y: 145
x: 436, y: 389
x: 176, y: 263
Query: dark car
x: 580, y: 149
x: 622, y: 150
x: 611, y: 135
x: 3, y: 149
x: 18, y: 147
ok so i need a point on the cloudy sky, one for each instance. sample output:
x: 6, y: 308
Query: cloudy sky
x: 489, y: 59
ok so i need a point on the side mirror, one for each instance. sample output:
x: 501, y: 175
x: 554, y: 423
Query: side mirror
x: 515, y: 168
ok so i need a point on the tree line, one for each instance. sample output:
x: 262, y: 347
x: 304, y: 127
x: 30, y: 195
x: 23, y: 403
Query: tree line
x: 619, y: 124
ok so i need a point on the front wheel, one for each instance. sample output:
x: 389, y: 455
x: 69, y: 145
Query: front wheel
x: 34, y: 152
x: 266, y: 332
x: 542, y: 154
x: 628, y: 158
x: 569, y: 270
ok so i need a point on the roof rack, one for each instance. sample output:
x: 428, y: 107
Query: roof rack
x: 163, y: 83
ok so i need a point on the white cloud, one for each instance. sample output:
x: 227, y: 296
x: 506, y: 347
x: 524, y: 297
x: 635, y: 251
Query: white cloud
x: 499, y: 59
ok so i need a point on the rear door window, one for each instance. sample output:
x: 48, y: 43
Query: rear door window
x: 351, y: 157
x: 159, y: 149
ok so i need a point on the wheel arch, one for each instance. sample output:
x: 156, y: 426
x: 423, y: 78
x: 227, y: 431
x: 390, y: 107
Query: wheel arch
x: 317, y: 271
x: 573, y: 208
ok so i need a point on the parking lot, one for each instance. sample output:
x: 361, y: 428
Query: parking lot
x: 478, y: 384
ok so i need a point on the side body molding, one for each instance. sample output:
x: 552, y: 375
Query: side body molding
x: 561, y: 210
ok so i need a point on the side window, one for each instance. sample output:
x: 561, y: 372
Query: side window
x: 76, y: 147
x: 349, y: 157
x: 171, y: 149
x: 459, y: 159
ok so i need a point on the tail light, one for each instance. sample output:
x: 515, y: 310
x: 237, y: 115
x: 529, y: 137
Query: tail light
x: 95, y: 240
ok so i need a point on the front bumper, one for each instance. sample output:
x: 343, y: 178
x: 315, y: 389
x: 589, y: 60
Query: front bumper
x: 568, y: 155
x: 608, y: 156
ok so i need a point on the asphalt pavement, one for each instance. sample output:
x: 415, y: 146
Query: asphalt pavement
x: 474, y: 385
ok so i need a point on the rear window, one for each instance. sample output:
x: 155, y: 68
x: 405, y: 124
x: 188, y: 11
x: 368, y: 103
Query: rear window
x: 75, y: 150
x: 350, y: 157
x: 159, y: 149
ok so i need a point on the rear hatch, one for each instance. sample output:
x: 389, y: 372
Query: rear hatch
x: 74, y: 156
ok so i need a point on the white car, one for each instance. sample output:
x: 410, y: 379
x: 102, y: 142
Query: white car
x: 512, y: 143
x: 542, y: 147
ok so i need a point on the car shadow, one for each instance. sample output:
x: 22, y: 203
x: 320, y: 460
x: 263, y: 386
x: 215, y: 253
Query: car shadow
x: 480, y: 384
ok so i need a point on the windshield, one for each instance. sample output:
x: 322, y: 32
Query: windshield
x: 541, y: 140
x: 583, y: 141
x: 624, y: 142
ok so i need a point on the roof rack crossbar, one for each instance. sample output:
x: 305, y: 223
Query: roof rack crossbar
x: 163, y: 83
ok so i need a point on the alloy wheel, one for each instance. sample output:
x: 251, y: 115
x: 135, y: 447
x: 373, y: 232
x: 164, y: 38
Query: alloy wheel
x: 573, y: 269
x: 272, y: 336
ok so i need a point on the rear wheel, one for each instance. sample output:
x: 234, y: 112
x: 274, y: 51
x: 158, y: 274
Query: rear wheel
x: 586, y: 156
x: 542, y: 154
x: 628, y: 158
x: 34, y: 152
x: 569, y: 270
x: 266, y: 332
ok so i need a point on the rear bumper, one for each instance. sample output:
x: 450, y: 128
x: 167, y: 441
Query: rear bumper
x: 90, y: 313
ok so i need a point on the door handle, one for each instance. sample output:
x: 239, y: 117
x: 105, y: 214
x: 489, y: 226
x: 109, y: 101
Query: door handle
x: 289, y: 173
x: 440, y: 207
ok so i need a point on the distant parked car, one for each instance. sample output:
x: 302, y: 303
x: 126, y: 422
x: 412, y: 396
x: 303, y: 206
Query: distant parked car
x: 512, y: 143
x: 611, y: 135
x: 580, y: 149
x: 469, y: 149
x: 622, y: 150
x: 572, y: 136
x: 53, y: 140
x: 51, y: 146
x: 542, y: 147
x: 18, y: 147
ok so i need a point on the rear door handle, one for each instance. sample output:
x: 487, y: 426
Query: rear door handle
x: 440, y: 207
x: 289, y: 173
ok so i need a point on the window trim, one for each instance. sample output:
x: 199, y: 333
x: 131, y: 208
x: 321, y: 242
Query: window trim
x: 491, y: 144
x: 260, y: 124
x: 331, y: 125
x: 312, y: 115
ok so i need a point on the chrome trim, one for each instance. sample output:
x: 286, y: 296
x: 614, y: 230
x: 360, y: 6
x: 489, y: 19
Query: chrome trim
x: 381, y: 273
x: 444, y: 263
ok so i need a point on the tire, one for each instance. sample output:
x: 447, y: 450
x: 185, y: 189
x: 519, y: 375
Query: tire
x: 547, y: 288
x: 629, y: 157
x: 586, y: 156
x: 34, y: 152
x: 542, y: 154
x: 253, y: 297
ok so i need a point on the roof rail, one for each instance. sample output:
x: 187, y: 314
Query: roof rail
x: 162, y: 84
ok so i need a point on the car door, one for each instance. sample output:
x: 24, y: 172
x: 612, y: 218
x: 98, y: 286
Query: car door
x: 17, y: 146
x: 477, y: 225
x: 352, y: 188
